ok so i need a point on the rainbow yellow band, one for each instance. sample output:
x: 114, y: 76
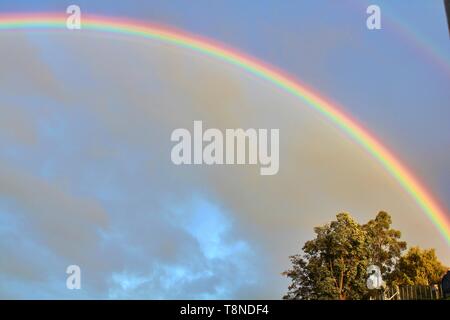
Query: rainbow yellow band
x: 121, y: 26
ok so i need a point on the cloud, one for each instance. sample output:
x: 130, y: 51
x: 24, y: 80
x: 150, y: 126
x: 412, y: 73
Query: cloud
x: 65, y: 223
x: 98, y: 188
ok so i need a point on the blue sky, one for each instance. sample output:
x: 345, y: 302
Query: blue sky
x: 84, y: 176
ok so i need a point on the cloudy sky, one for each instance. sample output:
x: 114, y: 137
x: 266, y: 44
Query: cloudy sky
x: 85, y: 124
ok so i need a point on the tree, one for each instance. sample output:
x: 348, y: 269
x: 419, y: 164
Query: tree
x: 384, y: 245
x: 334, y: 263
x: 419, y: 267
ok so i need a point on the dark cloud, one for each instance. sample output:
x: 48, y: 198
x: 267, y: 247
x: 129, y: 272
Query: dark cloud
x: 99, y: 189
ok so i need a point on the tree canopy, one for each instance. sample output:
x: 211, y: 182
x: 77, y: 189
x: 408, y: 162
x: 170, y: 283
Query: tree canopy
x: 334, y: 264
x: 420, y: 267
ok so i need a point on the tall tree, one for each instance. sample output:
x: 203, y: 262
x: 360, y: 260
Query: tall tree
x: 419, y: 267
x: 384, y: 245
x: 334, y: 263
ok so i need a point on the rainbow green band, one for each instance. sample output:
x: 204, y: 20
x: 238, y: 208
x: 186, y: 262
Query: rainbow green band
x: 121, y: 26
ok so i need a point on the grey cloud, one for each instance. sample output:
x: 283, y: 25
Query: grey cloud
x: 138, y: 93
x: 66, y: 223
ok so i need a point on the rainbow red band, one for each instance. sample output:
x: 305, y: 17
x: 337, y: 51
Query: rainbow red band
x: 399, y: 171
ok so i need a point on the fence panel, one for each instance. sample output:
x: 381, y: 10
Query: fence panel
x: 411, y: 293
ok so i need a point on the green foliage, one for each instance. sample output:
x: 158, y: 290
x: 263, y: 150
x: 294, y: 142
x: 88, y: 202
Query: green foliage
x: 419, y: 267
x: 334, y: 264
x: 383, y: 244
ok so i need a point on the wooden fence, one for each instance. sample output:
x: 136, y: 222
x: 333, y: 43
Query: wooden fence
x: 411, y: 293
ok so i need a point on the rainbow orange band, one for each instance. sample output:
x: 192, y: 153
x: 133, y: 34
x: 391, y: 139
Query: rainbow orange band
x: 120, y: 26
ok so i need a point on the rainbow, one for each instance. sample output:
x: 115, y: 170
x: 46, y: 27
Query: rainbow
x: 330, y: 110
x: 411, y: 37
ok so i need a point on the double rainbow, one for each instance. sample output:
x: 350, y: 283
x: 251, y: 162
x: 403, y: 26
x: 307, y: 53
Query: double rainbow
x: 127, y: 27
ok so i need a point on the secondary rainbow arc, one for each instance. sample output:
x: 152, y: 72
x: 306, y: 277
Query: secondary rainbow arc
x: 392, y: 164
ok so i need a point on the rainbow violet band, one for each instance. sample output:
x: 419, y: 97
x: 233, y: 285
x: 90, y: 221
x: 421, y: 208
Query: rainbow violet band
x: 330, y: 110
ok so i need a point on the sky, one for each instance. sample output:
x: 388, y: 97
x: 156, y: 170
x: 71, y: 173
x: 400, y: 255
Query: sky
x: 85, y: 124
